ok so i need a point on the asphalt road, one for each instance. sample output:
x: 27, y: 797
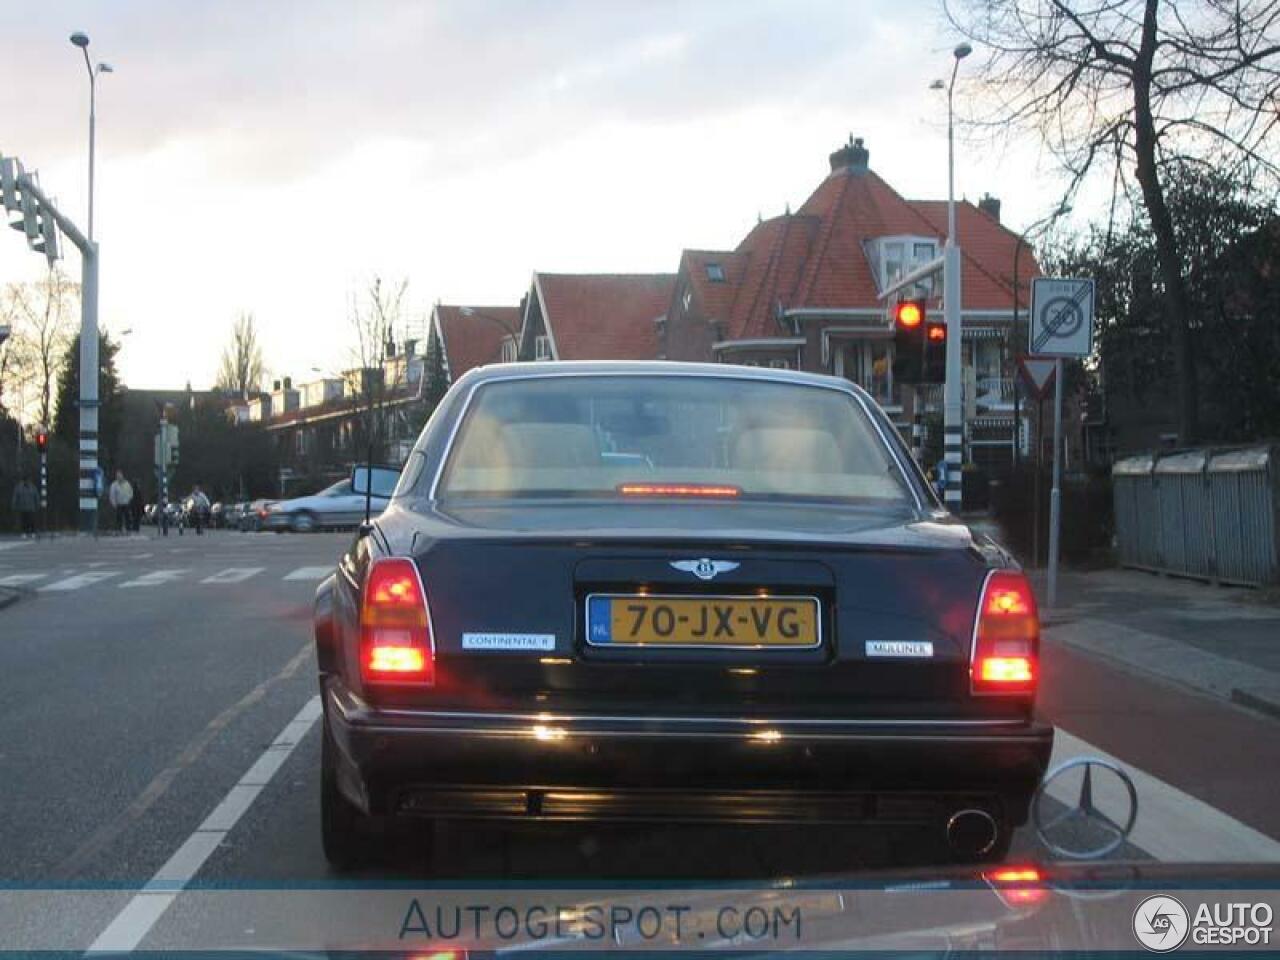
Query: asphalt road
x: 157, y: 704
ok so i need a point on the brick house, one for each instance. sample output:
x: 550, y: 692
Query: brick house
x: 802, y: 291
x: 584, y: 316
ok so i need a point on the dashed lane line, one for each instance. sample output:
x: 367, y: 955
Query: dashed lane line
x: 135, y: 921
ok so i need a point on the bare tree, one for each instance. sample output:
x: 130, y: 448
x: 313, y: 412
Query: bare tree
x: 240, y: 370
x: 1114, y: 85
x: 377, y: 316
x: 43, y: 317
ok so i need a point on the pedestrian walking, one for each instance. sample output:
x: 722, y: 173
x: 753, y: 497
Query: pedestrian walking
x: 24, y: 502
x: 135, y: 509
x: 199, y: 510
x: 120, y: 496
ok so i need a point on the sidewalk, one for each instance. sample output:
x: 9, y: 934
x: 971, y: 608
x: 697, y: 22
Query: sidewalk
x: 1222, y: 641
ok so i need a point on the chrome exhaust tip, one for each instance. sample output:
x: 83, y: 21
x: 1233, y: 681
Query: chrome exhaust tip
x: 971, y: 832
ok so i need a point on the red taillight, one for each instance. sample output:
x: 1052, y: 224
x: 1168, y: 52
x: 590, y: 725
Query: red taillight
x: 1006, y: 638
x: 395, y: 631
x: 678, y: 490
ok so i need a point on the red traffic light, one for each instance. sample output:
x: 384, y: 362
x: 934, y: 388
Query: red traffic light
x: 909, y: 314
x: 42, y: 440
x: 937, y: 332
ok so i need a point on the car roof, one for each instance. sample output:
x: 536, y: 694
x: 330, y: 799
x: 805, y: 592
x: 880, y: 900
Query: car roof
x: 658, y: 368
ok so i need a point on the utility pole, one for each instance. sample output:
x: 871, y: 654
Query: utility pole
x: 952, y: 398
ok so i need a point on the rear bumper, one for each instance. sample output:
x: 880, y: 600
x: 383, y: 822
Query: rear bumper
x: 576, y: 767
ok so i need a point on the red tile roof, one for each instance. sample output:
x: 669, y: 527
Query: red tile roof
x: 472, y: 341
x: 818, y: 258
x: 608, y: 316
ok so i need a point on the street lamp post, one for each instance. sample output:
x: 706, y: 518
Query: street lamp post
x: 953, y: 410
x: 89, y: 323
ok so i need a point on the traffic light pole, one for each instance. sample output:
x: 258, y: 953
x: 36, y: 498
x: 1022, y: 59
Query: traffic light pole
x: 88, y: 354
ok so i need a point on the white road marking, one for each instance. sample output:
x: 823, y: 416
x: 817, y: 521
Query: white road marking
x: 154, y: 578
x: 309, y: 573
x: 13, y: 544
x: 80, y: 580
x: 1171, y: 825
x: 142, y: 556
x: 18, y: 579
x: 135, y: 921
x: 233, y: 575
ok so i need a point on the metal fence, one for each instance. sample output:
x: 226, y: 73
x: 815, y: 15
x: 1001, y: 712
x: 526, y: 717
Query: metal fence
x: 1209, y: 513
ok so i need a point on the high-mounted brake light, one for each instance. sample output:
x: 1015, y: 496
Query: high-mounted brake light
x: 396, y: 645
x: 1006, y: 637
x: 678, y: 490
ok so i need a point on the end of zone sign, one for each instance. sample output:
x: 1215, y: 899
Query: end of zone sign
x: 1061, y: 317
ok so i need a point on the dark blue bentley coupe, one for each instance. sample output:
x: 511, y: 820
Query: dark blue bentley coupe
x: 661, y: 592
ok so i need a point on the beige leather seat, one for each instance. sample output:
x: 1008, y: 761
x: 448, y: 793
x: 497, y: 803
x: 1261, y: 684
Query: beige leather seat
x: 785, y: 449
x: 549, y: 445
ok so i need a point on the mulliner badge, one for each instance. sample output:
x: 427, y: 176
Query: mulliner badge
x: 899, y: 648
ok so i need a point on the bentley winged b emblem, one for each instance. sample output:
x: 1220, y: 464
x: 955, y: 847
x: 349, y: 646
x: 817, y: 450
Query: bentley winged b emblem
x: 704, y: 568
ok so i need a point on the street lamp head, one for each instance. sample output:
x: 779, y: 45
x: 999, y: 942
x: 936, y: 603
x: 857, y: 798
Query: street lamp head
x: 80, y: 39
x: 106, y: 68
x: 938, y: 85
x: 962, y: 50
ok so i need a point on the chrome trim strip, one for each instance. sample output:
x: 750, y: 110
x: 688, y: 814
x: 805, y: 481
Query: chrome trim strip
x: 586, y: 617
x: 747, y: 722
x: 851, y: 389
x: 560, y: 735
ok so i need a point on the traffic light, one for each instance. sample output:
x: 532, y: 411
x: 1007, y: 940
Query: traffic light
x: 935, y: 352
x: 909, y: 326
x: 42, y: 440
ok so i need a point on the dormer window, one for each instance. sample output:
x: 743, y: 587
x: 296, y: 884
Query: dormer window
x: 715, y: 273
x: 686, y: 299
x: 509, y: 350
x: 897, y: 256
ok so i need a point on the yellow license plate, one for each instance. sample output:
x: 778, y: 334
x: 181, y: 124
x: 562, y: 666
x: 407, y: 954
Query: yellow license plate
x: 682, y: 621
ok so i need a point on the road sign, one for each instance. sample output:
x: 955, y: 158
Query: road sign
x: 1038, y: 373
x: 1061, y: 317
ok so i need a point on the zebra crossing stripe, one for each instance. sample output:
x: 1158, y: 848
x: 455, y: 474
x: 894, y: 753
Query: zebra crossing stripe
x: 153, y: 579
x: 233, y: 575
x: 309, y: 573
x: 80, y: 580
x: 18, y: 579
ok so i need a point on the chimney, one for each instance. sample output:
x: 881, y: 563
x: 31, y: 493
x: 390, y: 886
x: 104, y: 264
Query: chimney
x: 288, y: 383
x: 853, y: 157
x: 410, y: 346
x: 990, y: 206
x: 275, y: 386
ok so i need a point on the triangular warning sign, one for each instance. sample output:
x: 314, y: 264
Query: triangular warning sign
x: 1038, y: 372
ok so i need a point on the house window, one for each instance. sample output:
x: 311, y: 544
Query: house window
x: 300, y: 443
x: 687, y: 299
x: 715, y: 273
x: 869, y: 363
x: 901, y: 255
x: 509, y: 350
x: 542, y: 348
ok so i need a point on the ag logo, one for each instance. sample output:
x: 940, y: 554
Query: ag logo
x: 1161, y: 923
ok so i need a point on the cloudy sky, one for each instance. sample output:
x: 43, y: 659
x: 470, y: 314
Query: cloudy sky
x: 271, y: 156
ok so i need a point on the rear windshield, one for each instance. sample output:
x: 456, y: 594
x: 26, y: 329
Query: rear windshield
x: 594, y: 437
